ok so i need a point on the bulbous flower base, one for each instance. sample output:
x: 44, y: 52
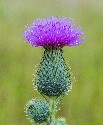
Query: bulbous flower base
x: 53, y: 78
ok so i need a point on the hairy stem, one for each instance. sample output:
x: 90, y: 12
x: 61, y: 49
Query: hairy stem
x: 53, y: 111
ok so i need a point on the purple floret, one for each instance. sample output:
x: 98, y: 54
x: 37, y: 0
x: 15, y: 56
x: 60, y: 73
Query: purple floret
x: 53, y: 32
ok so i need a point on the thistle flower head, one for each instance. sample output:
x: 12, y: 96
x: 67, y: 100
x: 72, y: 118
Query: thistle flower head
x: 37, y: 110
x: 53, y: 32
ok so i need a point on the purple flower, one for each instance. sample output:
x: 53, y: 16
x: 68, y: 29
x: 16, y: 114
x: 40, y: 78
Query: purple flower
x: 53, y: 32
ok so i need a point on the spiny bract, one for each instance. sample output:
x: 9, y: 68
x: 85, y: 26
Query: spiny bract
x: 53, y: 78
x: 37, y: 110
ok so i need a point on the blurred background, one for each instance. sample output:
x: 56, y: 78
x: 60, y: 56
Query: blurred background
x: 84, y: 104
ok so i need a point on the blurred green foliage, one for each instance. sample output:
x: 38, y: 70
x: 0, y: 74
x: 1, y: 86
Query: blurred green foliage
x: 84, y: 104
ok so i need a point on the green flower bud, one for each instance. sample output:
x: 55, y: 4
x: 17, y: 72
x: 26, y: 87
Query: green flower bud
x: 61, y: 121
x: 37, y: 110
x: 53, y: 78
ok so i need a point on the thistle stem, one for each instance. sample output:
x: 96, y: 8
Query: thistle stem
x: 52, y: 111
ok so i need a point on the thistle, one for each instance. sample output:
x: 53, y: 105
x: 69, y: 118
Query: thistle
x: 53, y: 79
x: 37, y: 110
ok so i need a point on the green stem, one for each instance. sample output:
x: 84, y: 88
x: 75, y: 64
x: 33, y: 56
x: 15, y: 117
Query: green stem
x: 52, y: 111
